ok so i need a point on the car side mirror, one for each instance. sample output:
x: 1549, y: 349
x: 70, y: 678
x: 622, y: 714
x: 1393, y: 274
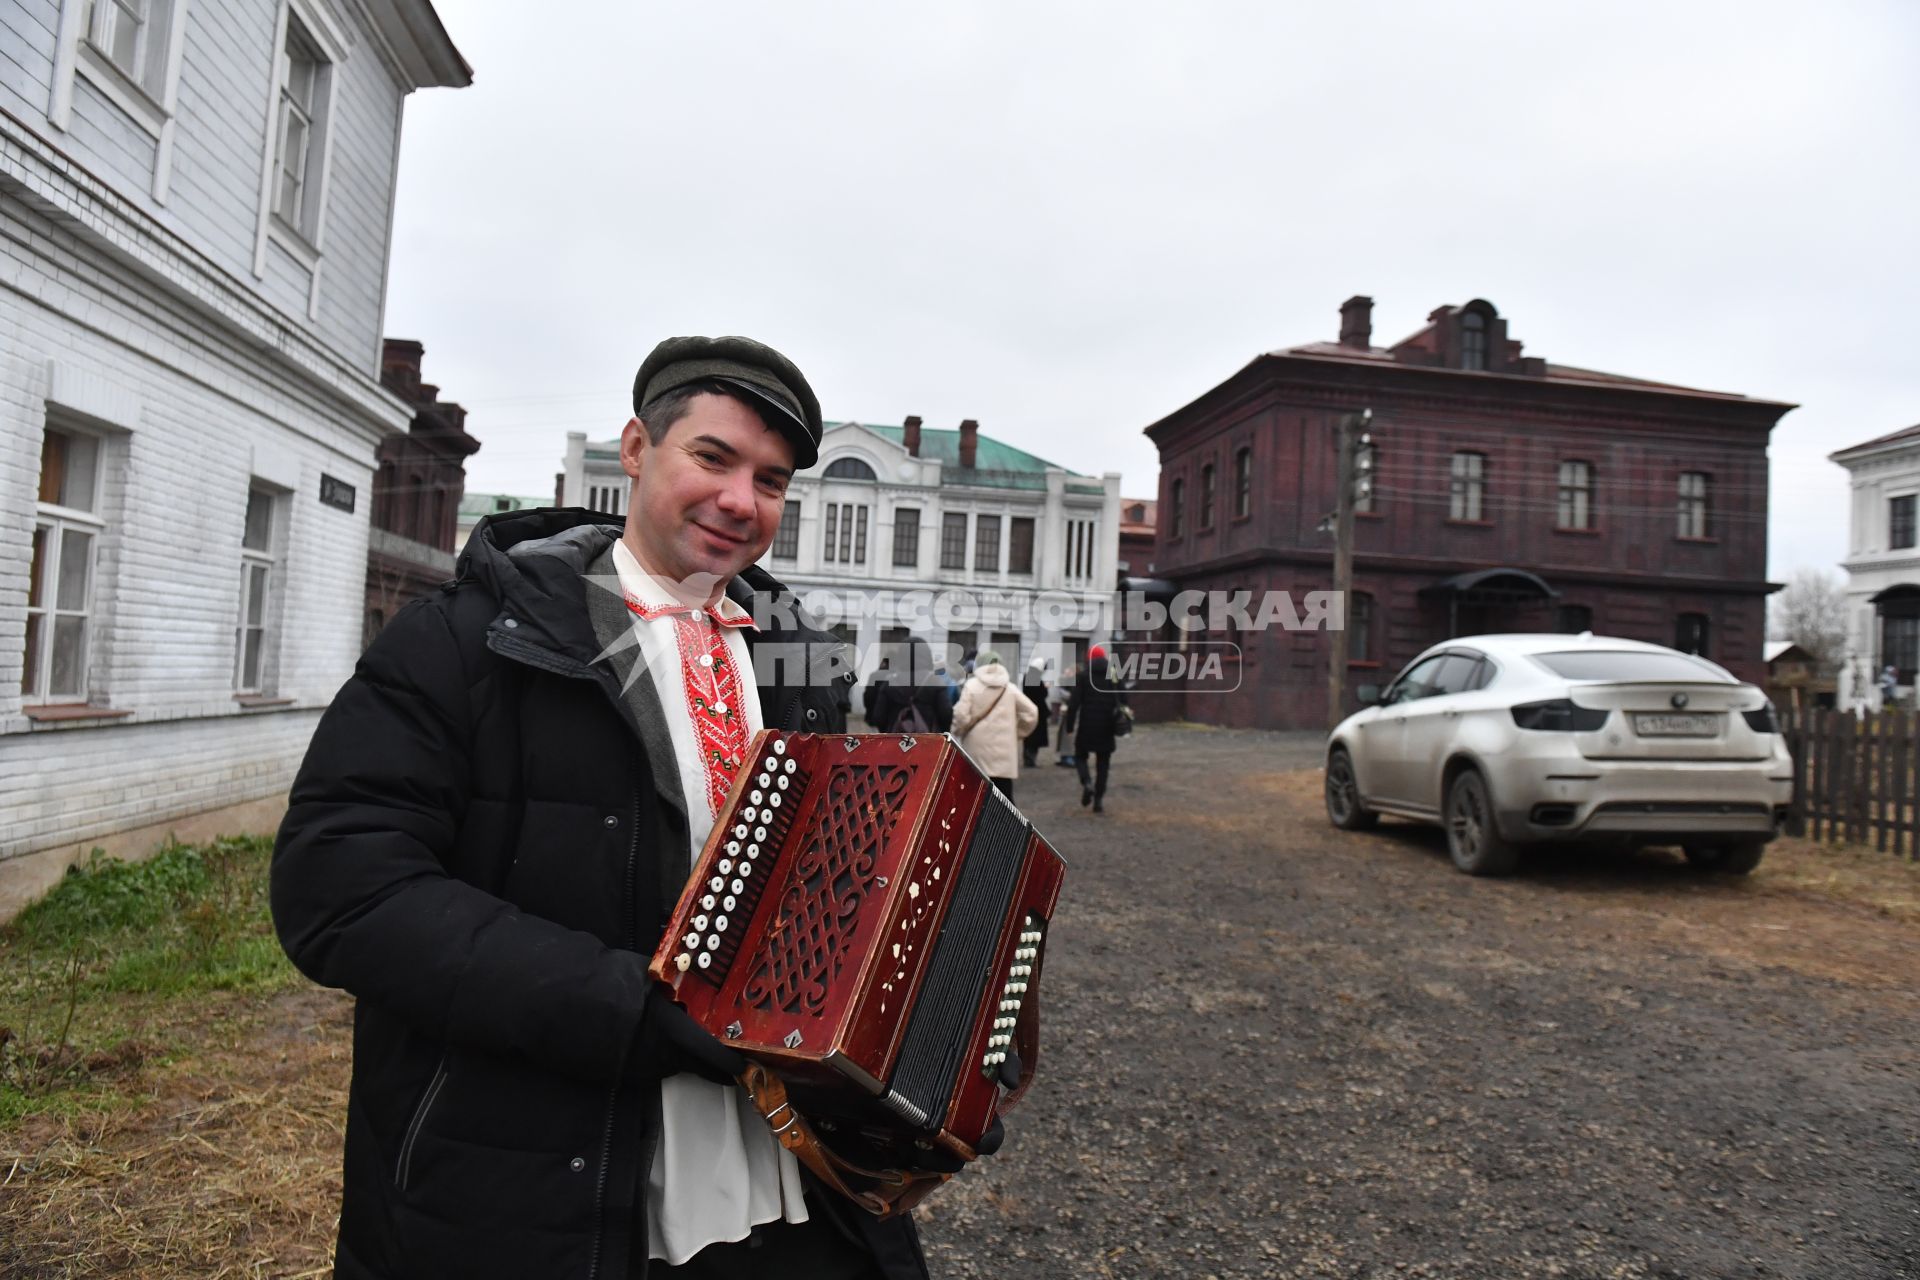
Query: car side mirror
x: 1369, y: 695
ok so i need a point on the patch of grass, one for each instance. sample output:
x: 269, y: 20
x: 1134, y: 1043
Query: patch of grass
x: 110, y: 969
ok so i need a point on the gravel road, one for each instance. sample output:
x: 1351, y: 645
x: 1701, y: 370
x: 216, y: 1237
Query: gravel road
x: 1274, y: 1049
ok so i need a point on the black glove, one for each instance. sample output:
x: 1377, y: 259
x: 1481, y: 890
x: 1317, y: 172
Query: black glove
x: 670, y: 1042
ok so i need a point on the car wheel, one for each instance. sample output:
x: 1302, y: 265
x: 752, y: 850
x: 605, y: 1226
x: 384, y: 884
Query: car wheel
x: 1736, y: 859
x: 1473, y: 840
x: 1345, y: 809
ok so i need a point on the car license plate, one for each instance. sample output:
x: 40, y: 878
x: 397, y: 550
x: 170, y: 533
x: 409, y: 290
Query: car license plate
x: 1665, y: 725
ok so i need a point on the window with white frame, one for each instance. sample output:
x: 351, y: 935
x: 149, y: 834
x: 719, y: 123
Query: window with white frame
x: 60, y: 584
x: 846, y: 540
x: 1694, y: 512
x: 256, y: 584
x: 131, y: 39
x: 305, y: 81
x: 1574, y: 508
x: 608, y: 498
x: 786, y: 539
x: 1466, y: 497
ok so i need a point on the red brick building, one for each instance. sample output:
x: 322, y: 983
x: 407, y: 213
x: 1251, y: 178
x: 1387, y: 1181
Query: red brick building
x: 416, y: 492
x: 1510, y: 494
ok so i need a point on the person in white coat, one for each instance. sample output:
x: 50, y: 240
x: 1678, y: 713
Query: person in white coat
x: 991, y: 719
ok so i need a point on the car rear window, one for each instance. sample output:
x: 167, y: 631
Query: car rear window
x: 1627, y: 664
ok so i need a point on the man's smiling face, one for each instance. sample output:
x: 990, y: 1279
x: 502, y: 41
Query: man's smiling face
x: 707, y: 499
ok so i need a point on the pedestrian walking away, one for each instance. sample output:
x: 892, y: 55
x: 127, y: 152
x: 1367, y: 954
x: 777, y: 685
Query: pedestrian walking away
x: 1034, y: 685
x: 991, y: 719
x: 1096, y: 714
x: 494, y: 820
x: 911, y: 698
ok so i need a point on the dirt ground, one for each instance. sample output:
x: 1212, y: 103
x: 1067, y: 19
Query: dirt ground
x: 1271, y: 1049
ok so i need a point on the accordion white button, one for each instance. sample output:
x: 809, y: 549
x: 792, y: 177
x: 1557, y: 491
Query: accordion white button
x: 759, y: 833
x: 753, y: 851
x: 699, y: 924
x: 716, y: 884
x: 729, y: 902
x: 736, y: 887
x: 706, y: 902
x: 682, y: 961
x: 781, y: 782
x: 733, y: 848
x: 755, y: 797
x: 749, y: 814
x: 719, y: 926
x: 725, y: 867
x: 790, y: 765
x: 740, y: 831
x: 763, y: 779
x: 773, y: 801
x: 713, y: 942
x: 706, y: 959
x: 691, y: 941
x: 779, y: 746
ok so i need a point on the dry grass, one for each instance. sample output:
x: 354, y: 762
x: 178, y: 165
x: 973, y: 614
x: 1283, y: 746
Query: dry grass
x: 227, y: 1167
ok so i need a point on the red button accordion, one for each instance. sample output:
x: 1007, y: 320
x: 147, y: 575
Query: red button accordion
x: 867, y: 924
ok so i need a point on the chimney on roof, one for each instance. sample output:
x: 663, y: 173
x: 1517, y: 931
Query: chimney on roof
x: 969, y: 443
x: 400, y: 367
x: 1356, y: 322
x: 911, y: 436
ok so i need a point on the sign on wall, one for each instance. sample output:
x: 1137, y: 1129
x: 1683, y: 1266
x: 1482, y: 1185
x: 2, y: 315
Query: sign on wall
x: 336, y: 493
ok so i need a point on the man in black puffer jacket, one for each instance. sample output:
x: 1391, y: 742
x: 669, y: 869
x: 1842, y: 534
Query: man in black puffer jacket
x: 492, y: 824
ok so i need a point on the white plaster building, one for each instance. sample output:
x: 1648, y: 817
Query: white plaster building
x: 1882, y: 564
x: 1025, y: 553
x: 196, y: 204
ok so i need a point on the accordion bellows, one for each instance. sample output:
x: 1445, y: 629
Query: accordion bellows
x: 868, y: 921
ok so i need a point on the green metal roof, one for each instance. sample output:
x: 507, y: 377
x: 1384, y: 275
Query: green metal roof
x: 475, y: 505
x: 997, y: 465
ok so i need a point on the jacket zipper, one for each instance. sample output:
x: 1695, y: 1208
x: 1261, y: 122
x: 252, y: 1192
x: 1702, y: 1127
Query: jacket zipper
x: 405, y: 1167
x: 613, y: 1092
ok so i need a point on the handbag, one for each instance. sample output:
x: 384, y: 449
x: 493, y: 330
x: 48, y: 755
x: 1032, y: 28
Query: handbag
x: 1122, y: 720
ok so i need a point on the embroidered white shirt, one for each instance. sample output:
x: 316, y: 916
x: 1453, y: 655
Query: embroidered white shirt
x: 718, y: 1171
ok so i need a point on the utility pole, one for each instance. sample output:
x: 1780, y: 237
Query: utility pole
x: 1353, y: 452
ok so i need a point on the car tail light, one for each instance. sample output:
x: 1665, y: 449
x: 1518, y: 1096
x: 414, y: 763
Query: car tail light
x: 1561, y: 714
x: 1763, y: 720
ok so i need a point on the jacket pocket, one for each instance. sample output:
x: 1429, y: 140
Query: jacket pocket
x: 404, y: 1165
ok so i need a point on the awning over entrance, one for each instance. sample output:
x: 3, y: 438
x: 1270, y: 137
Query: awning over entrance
x: 1898, y: 593
x: 1491, y: 586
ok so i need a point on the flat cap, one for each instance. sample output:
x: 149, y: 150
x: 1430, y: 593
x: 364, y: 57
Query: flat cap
x: 767, y: 379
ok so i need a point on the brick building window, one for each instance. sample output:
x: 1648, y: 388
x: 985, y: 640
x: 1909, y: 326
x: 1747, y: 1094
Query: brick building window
x: 1572, y: 619
x: 953, y: 540
x: 1473, y: 342
x: 60, y: 578
x: 1243, y: 483
x: 786, y: 539
x: 1695, y: 514
x: 906, y: 537
x: 1020, y: 545
x: 1900, y: 523
x: 1690, y: 634
x: 256, y: 583
x: 1575, y: 509
x: 986, y: 544
x: 1176, y: 508
x: 1467, y: 496
x: 1360, y: 647
x: 1206, y: 496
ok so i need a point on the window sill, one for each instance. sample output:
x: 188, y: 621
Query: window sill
x: 1369, y: 515
x: 1578, y: 533
x: 119, y: 88
x: 260, y: 701
x: 1699, y: 542
x: 61, y: 713
x: 1470, y: 524
x: 298, y: 247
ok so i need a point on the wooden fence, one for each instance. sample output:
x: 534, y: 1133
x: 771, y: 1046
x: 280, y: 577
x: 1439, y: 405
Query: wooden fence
x: 1854, y: 778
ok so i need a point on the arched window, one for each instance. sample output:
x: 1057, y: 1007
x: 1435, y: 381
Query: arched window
x: 1473, y: 341
x: 849, y: 469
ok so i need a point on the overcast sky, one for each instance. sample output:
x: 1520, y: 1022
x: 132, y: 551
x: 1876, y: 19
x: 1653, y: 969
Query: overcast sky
x: 1066, y: 219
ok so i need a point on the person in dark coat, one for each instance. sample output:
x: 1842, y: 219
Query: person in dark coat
x: 1034, y: 685
x: 490, y: 829
x: 893, y: 690
x: 1093, y: 713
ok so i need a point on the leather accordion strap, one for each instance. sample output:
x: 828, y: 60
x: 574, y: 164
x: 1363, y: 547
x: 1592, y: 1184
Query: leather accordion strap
x: 891, y: 1191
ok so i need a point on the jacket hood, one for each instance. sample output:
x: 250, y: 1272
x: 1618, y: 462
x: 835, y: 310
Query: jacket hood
x: 533, y: 562
x: 993, y: 676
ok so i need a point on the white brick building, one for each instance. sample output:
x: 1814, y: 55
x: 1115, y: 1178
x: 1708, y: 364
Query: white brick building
x: 195, y: 206
x: 1024, y: 553
x: 1883, y: 565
